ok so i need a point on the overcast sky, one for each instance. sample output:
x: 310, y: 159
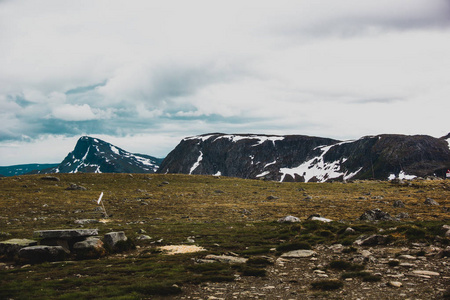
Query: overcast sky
x: 145, y: 74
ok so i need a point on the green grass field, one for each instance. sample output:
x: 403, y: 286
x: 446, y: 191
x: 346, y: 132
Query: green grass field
x: 222, y: 215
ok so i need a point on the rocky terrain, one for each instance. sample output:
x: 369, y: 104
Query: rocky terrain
x: 209, y: 237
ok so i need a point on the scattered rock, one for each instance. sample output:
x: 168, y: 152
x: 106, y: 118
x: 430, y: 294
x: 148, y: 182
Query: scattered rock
x: 375, y: 215
x: 406, y: 256
x: 288, y: 219
x: 402, y: 215
x: 65, y: 233
x: 298, y: 254
x: 38, y: 254
x: 11, y: 247
x: 86, y: 221
x: 426, y: 273
x: 75, y: 187
x: 430, y: 201
x: 373, y: 240
x: 349, y: 230
x: 89, y: 248
x: 112, y: 238
x: 398, y: 203
x: 227, y: 259
x: 317, y: 217
x: 396, y: 284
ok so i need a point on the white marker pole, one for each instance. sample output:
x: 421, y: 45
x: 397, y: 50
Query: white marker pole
x: 100, y: 200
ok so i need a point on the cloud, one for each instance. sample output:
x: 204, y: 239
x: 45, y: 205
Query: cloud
x: 177, y: 68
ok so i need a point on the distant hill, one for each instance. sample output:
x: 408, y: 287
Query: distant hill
x: 309, y: 159
x: 92, y: 155
x: 23, y: 169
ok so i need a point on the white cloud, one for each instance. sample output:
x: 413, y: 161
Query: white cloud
x: 70, y: 112
x: 177, y: 68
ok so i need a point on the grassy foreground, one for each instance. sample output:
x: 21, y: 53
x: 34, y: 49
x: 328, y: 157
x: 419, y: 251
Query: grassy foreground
x: 222, y: 215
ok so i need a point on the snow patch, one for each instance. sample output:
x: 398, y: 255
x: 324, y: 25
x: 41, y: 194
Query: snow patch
x: 197, y: 163
x: 84, y: 157
x: 262, y: 174
x: 269, y: 164
x: 318, y: 168
x: 402, y: 175
x: 115, y: 150
x: 448, y: 142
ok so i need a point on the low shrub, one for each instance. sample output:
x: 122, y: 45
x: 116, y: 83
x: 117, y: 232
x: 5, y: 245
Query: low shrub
x: 327, y: 285
x: 344, y: 265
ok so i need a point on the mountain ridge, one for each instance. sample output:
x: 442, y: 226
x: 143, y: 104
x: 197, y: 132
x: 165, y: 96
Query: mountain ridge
x: 309, y: 159
x: 93, y: 155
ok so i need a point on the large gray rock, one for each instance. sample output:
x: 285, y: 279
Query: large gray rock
x: 89, y: 248
x: 65, y: 233
x: 12, y: 247
x: 37, y: 254
x: 112, y: 238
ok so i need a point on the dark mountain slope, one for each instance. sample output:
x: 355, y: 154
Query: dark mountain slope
x: 93, y: 155
x: 304, y: 158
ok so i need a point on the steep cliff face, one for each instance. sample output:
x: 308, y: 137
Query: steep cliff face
x: 306, y: 159
x: 92, y: 155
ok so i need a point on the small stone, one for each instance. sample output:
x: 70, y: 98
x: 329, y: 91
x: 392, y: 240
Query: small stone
x: 375, y: 215
x: 349, y: 230
x: 227, y: 259
x: 406, y: 256
x: 430, y: 201
x: 426, y: 273
x: 398, y: 203
x: 288, y: 219
x: 299, y: 254
x: 396, y: 284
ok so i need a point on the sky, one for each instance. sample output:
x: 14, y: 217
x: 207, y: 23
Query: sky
x: 143, y: 75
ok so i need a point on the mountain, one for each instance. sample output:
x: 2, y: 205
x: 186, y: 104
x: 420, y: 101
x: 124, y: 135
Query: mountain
x: 23, y: 169
x: 93, y: 155
x: 309, y: 159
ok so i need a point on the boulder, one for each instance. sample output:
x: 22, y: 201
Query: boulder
x: 11, y: 247
x: 65, y: 233
x: 289, y: 219
x: 112, y: 238
x: 90, y: 248
x: 372, y: 240
x: 38, y: 254
x: 375, y: 215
